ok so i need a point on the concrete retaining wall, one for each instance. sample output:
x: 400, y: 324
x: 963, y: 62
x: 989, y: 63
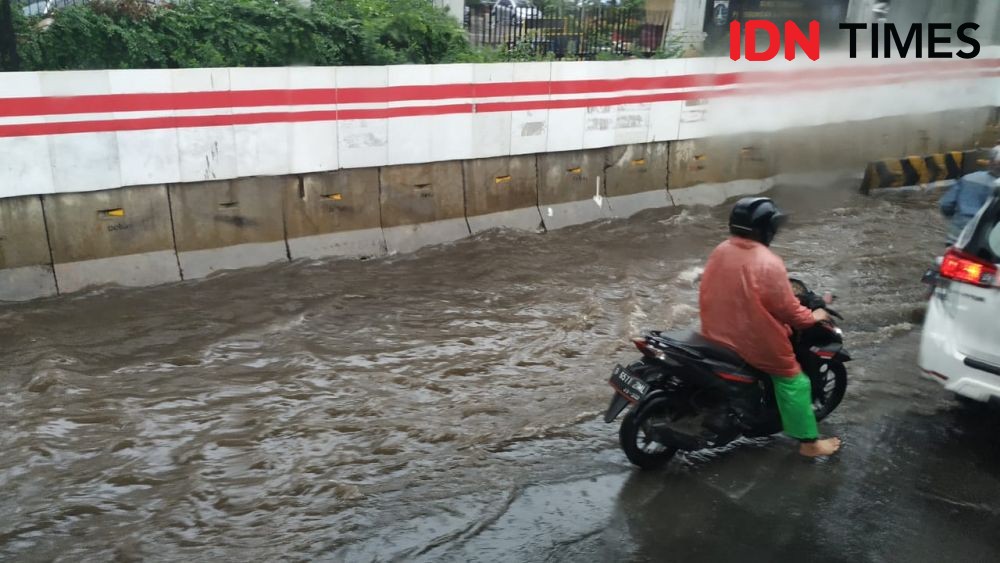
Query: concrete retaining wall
x: 571, y: 188
x: 140, y: 177
x: 25, y: 261
x: 502, y: 192
x: 334, y: 214
x: 121, y: 236
x: 636, y: 178
x: 152, y: 234
x: 67, y: 132
x: 422, y: 204
x: 227, y: 225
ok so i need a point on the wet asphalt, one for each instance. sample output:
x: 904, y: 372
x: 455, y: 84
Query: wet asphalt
x: 446, y: 406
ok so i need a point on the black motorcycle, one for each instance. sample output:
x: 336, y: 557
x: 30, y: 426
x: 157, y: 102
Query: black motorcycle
x: 689, y: 394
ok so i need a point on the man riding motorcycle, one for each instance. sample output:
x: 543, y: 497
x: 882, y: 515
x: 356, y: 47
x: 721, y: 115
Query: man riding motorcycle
x: 748, y: 306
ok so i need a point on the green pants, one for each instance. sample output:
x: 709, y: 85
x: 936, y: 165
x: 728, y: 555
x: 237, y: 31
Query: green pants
x: 794, y: 396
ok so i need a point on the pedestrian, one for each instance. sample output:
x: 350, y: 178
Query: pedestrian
x: 970, y: 192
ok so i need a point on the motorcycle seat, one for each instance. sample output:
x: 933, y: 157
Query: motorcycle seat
x: 703, y: 346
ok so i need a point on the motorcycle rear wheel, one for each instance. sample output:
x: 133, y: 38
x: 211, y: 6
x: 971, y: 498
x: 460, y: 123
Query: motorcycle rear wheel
x: 636, y: 440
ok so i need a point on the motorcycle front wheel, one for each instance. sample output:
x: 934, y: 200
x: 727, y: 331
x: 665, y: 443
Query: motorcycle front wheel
x: 829, y: 387
x: 636, y: 438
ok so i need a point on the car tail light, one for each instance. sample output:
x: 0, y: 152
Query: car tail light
x: 961, y: 267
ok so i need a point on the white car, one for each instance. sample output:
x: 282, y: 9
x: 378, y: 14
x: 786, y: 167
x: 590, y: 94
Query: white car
x: 960, y: 346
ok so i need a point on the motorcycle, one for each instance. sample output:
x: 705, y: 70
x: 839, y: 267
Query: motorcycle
x: 687, y: 393
x: 931, y: 277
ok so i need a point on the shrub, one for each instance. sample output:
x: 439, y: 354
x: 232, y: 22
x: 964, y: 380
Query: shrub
x: 211, y: 33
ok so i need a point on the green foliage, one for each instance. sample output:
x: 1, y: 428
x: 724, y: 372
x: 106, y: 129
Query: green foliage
x: 523, y: 51
x: 218, y: 33
x: 609, y: 56
x: 209, y: 33
x: 672, y: 48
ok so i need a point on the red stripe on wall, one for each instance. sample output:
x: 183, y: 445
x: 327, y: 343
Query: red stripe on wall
x: 183, y: 122
x: 258, y: 98
x: 112, y: 103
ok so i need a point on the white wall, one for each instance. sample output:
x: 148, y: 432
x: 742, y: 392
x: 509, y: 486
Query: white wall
x: 81, y: 131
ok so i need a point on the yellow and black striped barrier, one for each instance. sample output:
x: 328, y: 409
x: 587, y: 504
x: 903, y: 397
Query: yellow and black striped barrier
x: 913, y: 170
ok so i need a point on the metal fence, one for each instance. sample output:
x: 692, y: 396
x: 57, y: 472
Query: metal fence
x: 575, y: 33
x: 42, y: 7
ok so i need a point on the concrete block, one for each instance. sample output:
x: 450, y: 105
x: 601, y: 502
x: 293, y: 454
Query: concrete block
x: 635, y: 169
x: 968, y: 128
x: 559, y: 215
x: 598, y: 126
x: 25, y: 166
x: 82, y: 161
x: 121, y: 236
x: 419, y: 139
x: 636, y: 178
x: 262, y: 149
x: 529, y: 129
x: 422, y: 204
x: 886, y: 137
x: 570, y: 188
x: 664, y: 121
x: 628, y: 205
x: 362, y: 142
x: 410, y: 139
x: 568, y: 126
x: 851, y: 145
x: 527, y: 219
x: 206, y: 153
x: 136, y: 270
x: 408, y: 238
x: 230, y: 224
x: 632, y: 123
x: 502, y: 192
x: 146, y: 157
x: 492, y: 129
x: 314, y: 144
x: 453, y: 137
x: 719, y: 159
x: 334, y: 214
x: 713, y: 194
x: 27, y: 282
x: 25, y: 262
x: 364, y: 243
x: 807, y: 149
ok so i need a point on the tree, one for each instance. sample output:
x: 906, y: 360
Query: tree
x: 8, y: 39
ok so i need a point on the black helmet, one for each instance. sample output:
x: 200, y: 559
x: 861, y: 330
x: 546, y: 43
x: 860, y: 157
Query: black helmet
x: 756, y: 218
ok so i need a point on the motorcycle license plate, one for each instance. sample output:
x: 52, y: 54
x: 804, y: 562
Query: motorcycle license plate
x: 629, y: 385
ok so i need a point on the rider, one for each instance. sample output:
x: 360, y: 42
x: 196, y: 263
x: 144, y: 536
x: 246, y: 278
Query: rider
x: 747, y: 305
x: 968, y: 195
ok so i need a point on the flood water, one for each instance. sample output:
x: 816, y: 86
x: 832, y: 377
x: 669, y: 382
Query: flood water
x: 445, y: 405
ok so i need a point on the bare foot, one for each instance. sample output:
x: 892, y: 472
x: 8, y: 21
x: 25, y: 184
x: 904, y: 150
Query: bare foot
x: 826, y: 446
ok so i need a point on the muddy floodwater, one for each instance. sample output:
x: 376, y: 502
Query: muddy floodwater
x: 445, y: 405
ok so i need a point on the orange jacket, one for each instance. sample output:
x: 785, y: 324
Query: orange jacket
x: 747, y: 305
